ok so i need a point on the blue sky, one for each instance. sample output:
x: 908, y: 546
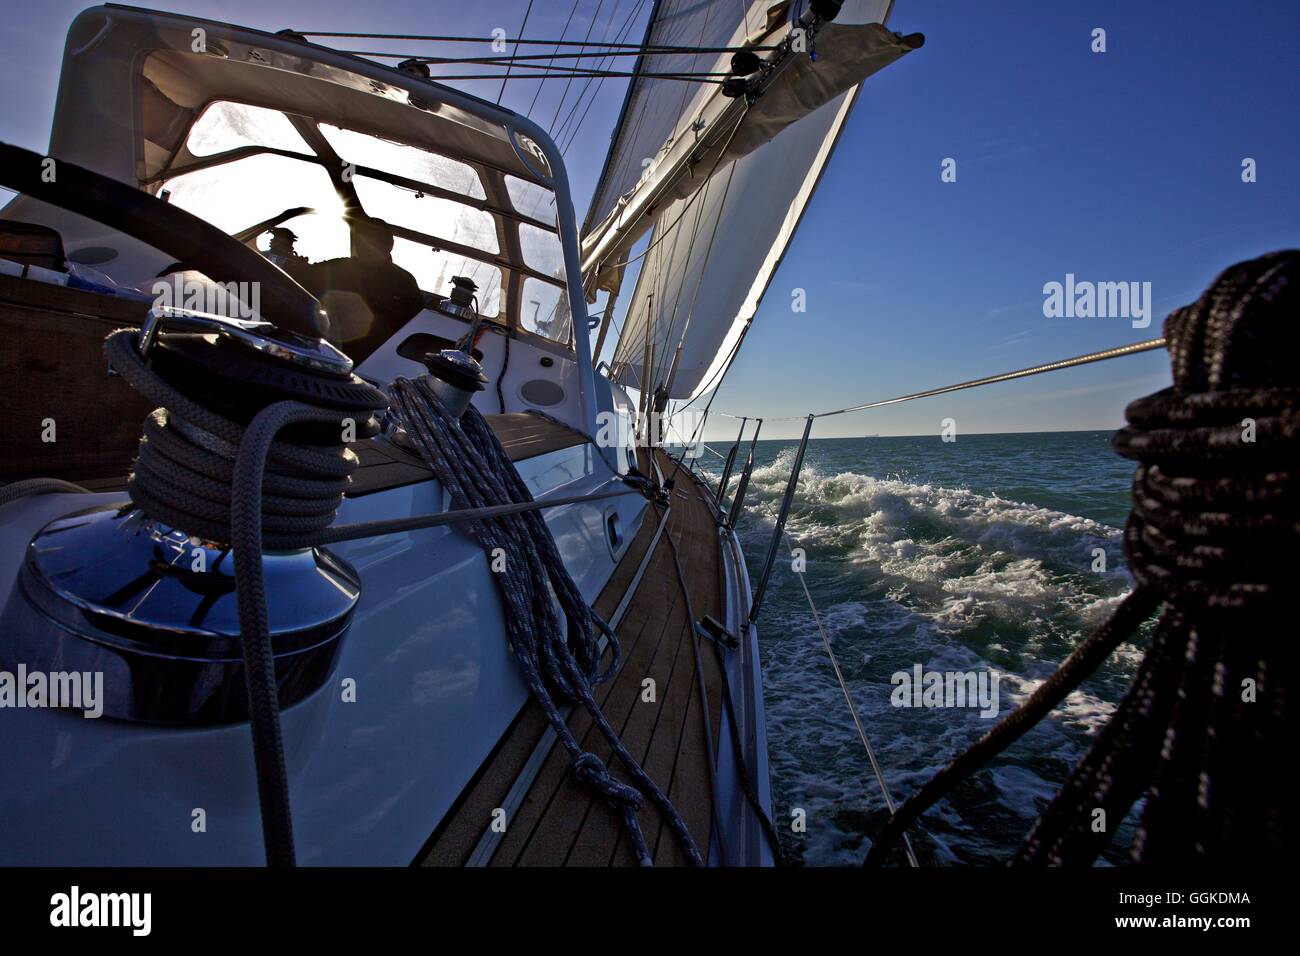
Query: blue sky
x: 1119, y: 166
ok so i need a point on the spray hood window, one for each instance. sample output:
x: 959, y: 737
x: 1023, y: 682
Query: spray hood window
x: 529, y: 199
x: 408, y: 162
x: 430, y: 215
x: 238, y: 194
x: 434, y: 268
x: 225, y: 126
x: 545, y: 310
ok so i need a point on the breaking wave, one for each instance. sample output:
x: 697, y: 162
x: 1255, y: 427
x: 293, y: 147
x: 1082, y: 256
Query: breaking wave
x: 948, y: 574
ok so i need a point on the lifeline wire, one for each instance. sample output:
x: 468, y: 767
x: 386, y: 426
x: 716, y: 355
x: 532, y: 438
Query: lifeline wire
x: 636, y: 47
x: 1105, y: 354
x: 853, y: 711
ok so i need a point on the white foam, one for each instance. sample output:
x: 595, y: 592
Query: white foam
x: 945, y: 577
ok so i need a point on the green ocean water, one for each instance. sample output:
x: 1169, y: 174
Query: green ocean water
x: 970, y: 556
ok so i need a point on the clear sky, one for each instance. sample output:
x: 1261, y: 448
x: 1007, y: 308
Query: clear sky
x: 1115, y: 166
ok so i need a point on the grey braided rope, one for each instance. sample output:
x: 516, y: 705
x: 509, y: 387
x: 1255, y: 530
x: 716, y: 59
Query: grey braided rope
x: 556, y: 661
x: 38, y: 486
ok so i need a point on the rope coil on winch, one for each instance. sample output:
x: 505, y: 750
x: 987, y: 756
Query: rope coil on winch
x: 1212, y: 539
x: 185, y: 467
x: 203, y: 474
x: 557, y: 660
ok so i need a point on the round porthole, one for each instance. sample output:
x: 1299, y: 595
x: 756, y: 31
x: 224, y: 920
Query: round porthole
x: 541, y: 392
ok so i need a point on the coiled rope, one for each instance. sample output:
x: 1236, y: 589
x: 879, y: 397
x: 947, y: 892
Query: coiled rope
x: 1212, y: 540
x: 186, y: 465
x: 206, y: 475
x: 557, y: 660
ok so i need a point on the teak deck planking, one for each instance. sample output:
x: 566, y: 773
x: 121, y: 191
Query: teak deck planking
x: 562, y: 822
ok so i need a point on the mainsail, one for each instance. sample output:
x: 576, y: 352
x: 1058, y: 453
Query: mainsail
x: 722, y: 181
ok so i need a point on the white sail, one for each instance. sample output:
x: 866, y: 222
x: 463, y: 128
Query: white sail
x: 718, y: 238
x: 654, y: 110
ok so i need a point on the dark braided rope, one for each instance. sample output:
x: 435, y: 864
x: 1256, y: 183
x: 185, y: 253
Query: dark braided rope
x: 556, y: 661
x: 247, y: 540
x: 1214, y: 530
x: 1125, y: 619
x: 1212, y: 540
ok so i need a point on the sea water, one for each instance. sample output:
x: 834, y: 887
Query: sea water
x: 993, y: 555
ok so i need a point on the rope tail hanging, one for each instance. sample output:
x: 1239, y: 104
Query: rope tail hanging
x: 1212, y: 542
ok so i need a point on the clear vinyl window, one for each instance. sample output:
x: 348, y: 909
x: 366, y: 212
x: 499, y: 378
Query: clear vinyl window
x: 241, y: 193
x: 409, y: 162
x: 225, y: 125
x: 430, y: 215
x: 544, y: 310
x: 434, y: 268
x: 534, y: 201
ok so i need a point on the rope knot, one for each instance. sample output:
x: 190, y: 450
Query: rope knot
x: 1214, y: 506
x: 592, y: 771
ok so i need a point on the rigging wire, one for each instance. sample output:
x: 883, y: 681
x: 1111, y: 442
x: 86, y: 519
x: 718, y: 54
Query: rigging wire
x: 699, y: 282
x: 573, y: 133
x: 657, y: 374
x: 712, y: 390
x: 1136, y: 347
x: 853, y: 710
x: 689, y: 202
x: 516, y: 57
x: 449, y: 77
x: 653, y: 375
x: 655, y: 48
x: 1103, y: 355
x: 576, y: 129
x: 510, y: 63
x: 625, y: 119
x: 522, y: 27
x: 537, y: 92
x: 569, y: 74
x: 735, y: 350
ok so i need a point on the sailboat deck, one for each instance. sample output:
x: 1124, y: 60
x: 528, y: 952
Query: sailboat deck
x: 561, y: 822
